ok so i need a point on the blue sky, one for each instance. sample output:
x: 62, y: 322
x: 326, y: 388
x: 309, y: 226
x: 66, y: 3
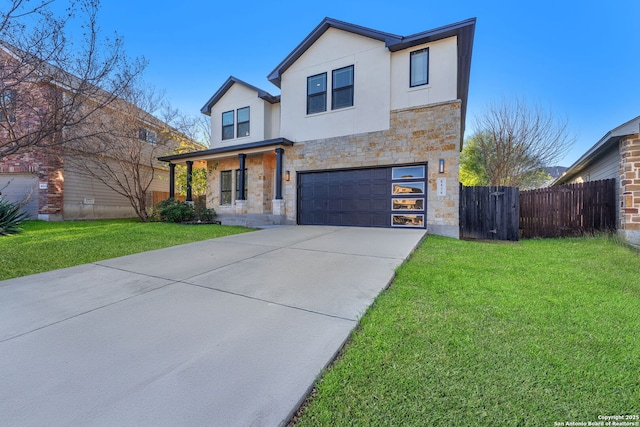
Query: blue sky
x: 581, y: 59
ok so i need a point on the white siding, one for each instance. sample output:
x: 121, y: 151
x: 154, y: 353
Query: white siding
x: 607, y: 167
x: 372, y: 76
x: 442, y: 86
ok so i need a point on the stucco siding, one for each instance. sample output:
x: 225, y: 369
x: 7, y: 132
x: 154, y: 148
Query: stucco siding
x: 334, y: 50
x: 239, y: 96
x: 443, y: 76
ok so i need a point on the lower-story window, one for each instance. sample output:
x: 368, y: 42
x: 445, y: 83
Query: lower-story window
x: 226, y: 187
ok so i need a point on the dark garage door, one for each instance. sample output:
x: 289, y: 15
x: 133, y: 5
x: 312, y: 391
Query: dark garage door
x: 371, y: 197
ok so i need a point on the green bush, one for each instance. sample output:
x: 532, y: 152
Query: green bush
x: 204, y: 214
x: 173, y: 210
x: 10, y: 218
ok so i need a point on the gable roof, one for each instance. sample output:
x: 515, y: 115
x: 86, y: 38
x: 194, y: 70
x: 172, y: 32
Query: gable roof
x: 608, y: 141
x: 263, y: 94
x: 464, y: 30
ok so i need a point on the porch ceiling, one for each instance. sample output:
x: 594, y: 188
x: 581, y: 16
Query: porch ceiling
x: 226, y: 152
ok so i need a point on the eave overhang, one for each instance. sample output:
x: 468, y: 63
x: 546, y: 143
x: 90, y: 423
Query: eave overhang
x: 262, y: 94
x: 219, y: 153
x: 463, y: 30
x: 607, y: 142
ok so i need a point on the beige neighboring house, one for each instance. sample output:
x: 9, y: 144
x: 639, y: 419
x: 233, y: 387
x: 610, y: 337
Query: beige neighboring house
x: 53, y: 185
x: 616, y: 155
x: 366, y: 131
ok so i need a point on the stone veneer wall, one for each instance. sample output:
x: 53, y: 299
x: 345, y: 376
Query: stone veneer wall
x: 260, y: 168
x: 629, y: 212
x: 423, y: 134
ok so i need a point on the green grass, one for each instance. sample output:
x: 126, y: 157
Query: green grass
x: 45, y: 246
x: 493, y: 334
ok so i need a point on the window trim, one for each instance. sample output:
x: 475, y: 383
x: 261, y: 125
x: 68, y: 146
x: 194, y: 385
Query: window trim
x: 238, y: 122
x: 319, y: 94
x: 8, y: 107
x: 147, y: 135
x: 411, y: 55
x: 224, y: 191
x: 232, y: 125
x: 335, y: 89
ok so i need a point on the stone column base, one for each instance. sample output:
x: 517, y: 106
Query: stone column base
x: 241, y: 207
x: 278, y: 207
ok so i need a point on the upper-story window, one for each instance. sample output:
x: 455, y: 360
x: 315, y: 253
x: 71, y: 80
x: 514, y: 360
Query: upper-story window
x: 230, y: 118
x: 8, y: 106
x: 342, y: 93
x: 419, y: 67
x: 145, y: 134
x: 317, y: 93
x: 227, y: 125
x: 243, y: 122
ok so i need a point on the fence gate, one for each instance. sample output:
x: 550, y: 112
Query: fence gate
x: 489, y: 213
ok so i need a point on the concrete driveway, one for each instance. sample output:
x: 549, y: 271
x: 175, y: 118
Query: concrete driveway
x: 225, y: 332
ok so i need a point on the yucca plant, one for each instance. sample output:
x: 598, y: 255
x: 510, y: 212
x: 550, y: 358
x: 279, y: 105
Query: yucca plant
x: 10, y: 218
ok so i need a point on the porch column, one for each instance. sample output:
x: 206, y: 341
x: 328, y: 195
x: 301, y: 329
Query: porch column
x: 241, y: 195
x: 189, y: 172
x: 279, y: 152
x: 172, y: 180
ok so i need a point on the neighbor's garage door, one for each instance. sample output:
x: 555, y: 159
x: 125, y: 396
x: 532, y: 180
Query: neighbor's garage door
x: 371, y: 197
x: 21, y: 188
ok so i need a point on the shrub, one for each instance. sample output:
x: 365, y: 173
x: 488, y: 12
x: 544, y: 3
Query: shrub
x: 10, y: 218
x: 173, y: 210
x: 204, y: 214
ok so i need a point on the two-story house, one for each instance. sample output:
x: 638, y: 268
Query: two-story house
x: 50, y: 178
x: 367, y: 131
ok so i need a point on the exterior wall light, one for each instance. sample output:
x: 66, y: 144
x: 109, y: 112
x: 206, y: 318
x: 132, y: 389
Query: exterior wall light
x: 287, y: 176
x: 441, y: 166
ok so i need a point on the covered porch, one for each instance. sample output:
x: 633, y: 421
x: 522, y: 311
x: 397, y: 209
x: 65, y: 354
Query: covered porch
x: 244, y: 182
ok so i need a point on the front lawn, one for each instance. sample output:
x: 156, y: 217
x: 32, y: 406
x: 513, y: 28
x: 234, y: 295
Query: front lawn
x: 536, y: 333
x: 45, y: 246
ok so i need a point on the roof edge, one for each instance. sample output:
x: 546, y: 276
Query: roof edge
x: 262, y: 94
x: 258, y: 144
x: 610, y: 138
x: 313, y: 36
x: 435, y: 34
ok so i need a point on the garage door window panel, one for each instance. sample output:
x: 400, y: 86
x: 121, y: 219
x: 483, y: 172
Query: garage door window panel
x: 411, y: 172
x: 407, y: 204
x: 413, y: 188
x: 403, y: 220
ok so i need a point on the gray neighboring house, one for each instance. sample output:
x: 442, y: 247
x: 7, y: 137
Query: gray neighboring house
x: 616, y: 155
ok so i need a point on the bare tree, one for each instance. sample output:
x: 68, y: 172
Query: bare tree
x: 123, y: 150
x: 51, y: 84
x: 197, y: 128
x: 513, y: 142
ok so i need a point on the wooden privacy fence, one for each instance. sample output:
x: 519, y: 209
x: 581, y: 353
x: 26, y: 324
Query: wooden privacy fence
x: 568, y: 210
x: 489, y: 213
